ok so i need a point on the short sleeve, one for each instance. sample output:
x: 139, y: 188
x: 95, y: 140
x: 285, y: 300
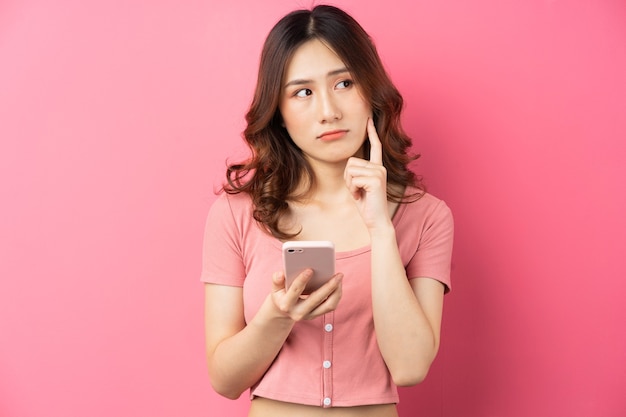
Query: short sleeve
x: 222, y: 260
x: 434, y: 253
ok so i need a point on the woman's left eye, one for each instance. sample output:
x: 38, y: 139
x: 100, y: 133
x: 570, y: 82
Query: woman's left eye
x: 344, y: 84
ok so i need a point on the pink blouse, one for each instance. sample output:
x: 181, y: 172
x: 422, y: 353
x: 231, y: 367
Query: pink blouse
x: 334, y: 360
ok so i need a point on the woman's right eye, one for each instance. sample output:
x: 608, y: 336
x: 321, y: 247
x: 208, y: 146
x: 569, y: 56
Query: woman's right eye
x: 303, y: 93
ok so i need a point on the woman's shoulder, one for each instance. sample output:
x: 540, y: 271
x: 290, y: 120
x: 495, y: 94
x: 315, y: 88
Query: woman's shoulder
x: 238, y: 206
x: 233, y: 200
x: 422, y: 203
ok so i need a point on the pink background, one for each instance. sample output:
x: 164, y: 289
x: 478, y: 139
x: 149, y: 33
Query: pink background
x: 115, y: 121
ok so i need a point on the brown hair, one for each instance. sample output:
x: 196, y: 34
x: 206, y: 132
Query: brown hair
x: 270, y: 176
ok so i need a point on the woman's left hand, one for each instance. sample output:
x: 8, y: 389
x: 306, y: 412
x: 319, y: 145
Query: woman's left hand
x: 367, y: 182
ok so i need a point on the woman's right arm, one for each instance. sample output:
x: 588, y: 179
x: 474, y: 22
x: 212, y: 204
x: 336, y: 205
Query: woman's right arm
x: 238, y: 354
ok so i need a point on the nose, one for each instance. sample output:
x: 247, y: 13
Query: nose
x: 329, y: 110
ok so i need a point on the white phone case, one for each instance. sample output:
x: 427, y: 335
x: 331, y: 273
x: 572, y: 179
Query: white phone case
x: 319, y: 255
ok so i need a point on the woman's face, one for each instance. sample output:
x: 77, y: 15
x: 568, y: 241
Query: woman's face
x: 322, y: 108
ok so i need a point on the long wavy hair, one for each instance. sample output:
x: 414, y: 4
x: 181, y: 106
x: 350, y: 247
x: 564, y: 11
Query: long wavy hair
x: 277, y: 167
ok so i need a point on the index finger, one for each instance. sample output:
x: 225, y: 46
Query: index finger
x: 376, y: 147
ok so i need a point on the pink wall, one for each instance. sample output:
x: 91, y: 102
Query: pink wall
x: 115, y: 121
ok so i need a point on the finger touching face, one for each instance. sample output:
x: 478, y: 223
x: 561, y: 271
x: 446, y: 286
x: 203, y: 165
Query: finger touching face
x: 376, y: 147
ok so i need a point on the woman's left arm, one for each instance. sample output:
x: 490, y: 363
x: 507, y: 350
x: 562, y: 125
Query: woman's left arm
x: 407, y: 313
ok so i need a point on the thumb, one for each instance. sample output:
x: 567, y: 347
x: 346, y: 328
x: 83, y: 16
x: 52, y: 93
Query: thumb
x: 278, y: 281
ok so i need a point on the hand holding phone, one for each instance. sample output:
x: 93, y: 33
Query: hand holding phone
x: 313, y: 254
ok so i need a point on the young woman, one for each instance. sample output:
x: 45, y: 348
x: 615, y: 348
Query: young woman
x: 329, y: 162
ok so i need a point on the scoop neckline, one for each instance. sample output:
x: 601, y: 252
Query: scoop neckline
x: 395, y: 220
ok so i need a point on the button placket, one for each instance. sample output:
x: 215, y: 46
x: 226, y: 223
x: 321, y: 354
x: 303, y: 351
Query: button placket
x: 327, y: 372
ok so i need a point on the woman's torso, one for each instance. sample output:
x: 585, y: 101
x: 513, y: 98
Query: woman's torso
x: 249, y: 238
x: 333, y: 225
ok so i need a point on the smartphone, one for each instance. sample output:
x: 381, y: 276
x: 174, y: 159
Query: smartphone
x: 319, y: 255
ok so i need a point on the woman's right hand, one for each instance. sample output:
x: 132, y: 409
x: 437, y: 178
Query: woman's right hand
x: 291, y: 303
x: 239, y: 353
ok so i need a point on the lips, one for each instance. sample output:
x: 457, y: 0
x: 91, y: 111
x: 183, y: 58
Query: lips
x: 332, y: 135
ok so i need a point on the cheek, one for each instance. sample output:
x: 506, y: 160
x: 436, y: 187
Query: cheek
x: 364, y: 109
x: 361, y: 103
x: 292, y: 117
x: 365, y: 115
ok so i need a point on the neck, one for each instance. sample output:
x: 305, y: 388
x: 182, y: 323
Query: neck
x: 329, y: 182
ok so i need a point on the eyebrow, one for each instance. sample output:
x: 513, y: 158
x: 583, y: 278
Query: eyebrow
x: 303, y: 81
